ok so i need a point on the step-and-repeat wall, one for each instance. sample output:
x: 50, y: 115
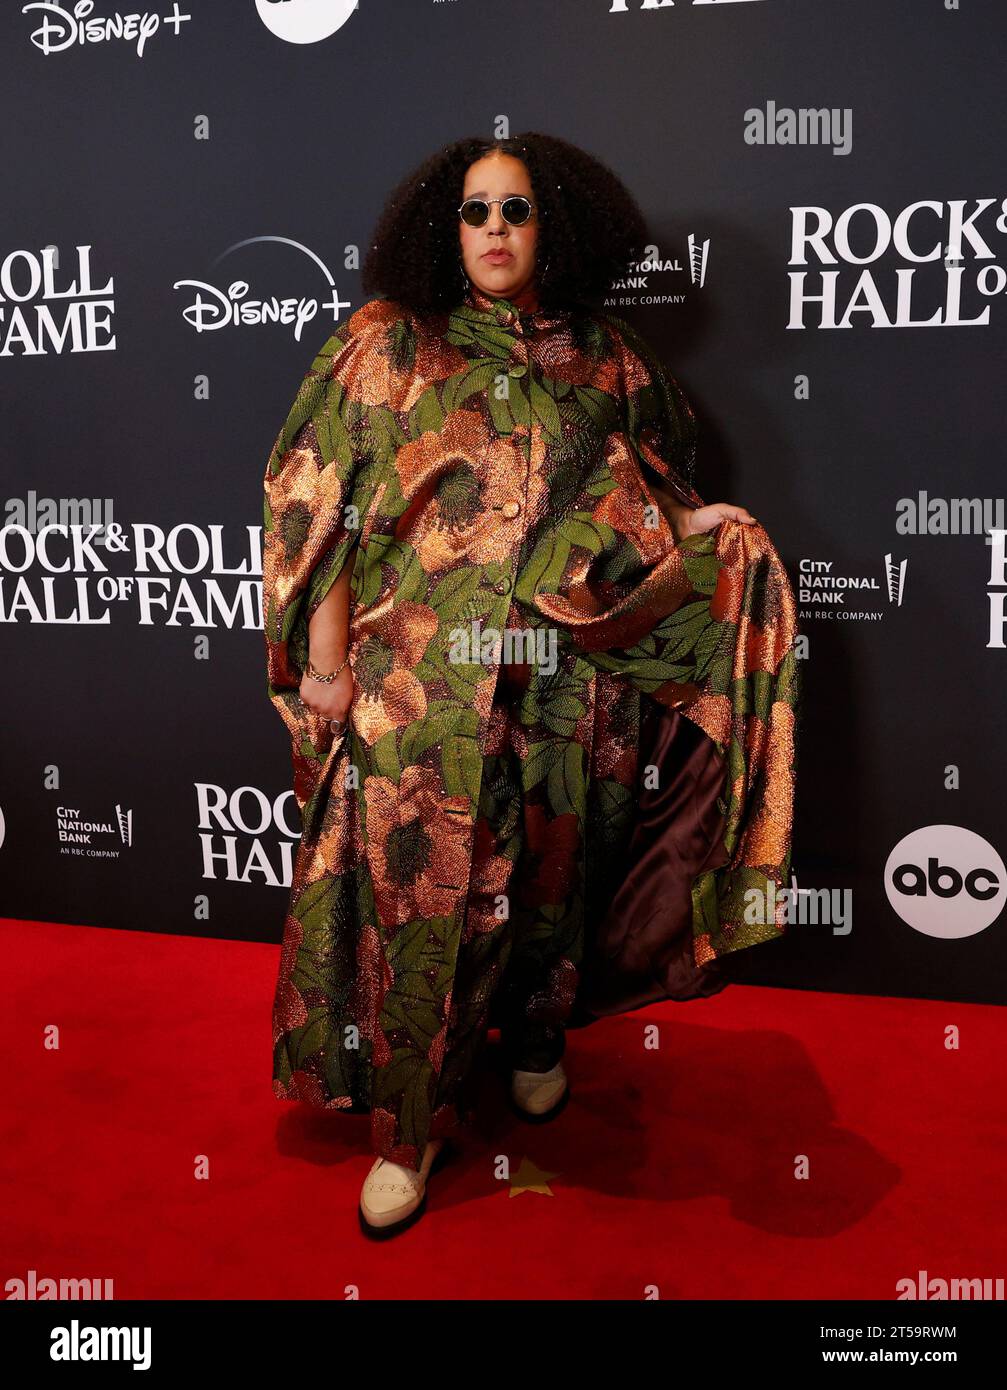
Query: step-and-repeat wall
x: 187, y: 194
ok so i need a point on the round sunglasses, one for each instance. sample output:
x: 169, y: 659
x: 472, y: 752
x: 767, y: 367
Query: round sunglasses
x: 516, y: 210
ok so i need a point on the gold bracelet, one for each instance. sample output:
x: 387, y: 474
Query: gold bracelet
x: 317, y: 675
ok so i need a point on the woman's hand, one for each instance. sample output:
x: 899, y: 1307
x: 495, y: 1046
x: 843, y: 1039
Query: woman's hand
x: 693, y: 521
x: 328, y: 643
x: 330, y: 699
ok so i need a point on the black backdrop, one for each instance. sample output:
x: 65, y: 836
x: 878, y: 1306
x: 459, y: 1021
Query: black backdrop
x: 224, y: 155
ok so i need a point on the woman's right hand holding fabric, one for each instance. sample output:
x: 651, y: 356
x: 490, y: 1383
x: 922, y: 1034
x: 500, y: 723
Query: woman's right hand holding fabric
x: 693, y: 521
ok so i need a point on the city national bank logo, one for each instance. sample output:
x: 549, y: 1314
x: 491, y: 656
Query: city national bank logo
x: 930, y: 265
x: 304, y: 21
x: 638, y: 288
x: 80, y: 835
x: 827, y: 593
x: 44, y: 310
x: 61, y: 27
x: 212, y: 308
x: 946, y: 881
x: 58, y: 576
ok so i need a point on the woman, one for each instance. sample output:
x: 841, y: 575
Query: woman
x: 491, y: 594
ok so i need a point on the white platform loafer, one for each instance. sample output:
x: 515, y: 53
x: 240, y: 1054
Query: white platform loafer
x: 539, y: 1095
x: 394, y: 1196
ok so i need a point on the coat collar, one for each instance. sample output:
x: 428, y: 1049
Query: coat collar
x: 506, y: 313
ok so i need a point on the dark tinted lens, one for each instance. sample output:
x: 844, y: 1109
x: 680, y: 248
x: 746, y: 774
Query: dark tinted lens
x: 515, y: 210
x: 475, y: 212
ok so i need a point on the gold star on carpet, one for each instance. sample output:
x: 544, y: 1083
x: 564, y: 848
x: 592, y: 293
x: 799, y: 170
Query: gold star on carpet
x: 530, y: 1178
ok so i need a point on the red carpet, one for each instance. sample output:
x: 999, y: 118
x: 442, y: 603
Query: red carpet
x: 674, y: 1168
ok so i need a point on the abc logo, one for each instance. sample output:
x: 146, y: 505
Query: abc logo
x: 944, y: 880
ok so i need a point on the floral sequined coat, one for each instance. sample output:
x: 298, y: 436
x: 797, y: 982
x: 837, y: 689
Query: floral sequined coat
x: 492, y: 462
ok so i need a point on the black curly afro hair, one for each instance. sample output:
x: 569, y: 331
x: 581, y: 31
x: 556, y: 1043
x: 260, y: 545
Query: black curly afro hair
x: 590, y: 227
